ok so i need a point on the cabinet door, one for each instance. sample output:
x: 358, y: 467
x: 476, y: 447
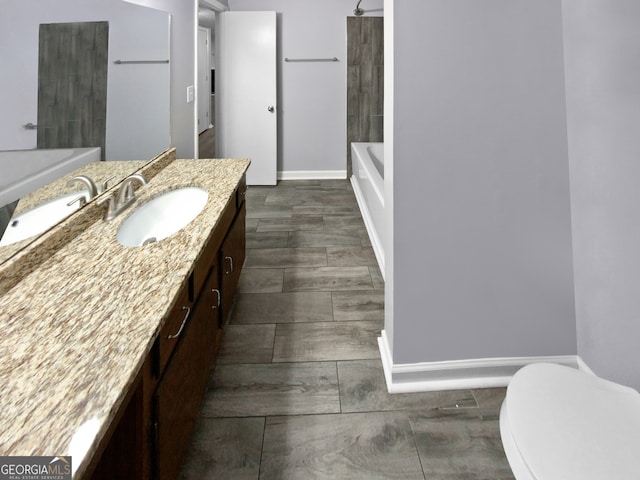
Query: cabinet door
x: 172, y: 330
x: 232, y: 260
x: 180, y: 392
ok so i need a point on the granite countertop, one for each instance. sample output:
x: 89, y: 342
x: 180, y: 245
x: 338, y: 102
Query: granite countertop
x: 77, y: 329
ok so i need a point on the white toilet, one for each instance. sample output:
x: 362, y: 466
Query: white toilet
x: 558, y: 423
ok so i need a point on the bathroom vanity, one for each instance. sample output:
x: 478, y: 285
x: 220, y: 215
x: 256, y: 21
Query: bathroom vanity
x: 107, y: 350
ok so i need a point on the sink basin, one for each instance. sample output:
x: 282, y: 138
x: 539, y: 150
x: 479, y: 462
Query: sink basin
x: 41, y: 218
x: 161, y: 217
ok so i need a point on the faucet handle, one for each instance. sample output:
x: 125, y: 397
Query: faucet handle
x: 126, y: 188
x: 103, y: 185
x: 81, y: 199
x: 111, y: 208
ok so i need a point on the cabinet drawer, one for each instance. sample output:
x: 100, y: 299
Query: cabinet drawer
x: 172, y: 329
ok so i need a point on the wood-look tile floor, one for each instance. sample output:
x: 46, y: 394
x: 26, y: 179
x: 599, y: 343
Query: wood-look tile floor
x: 298, y: 390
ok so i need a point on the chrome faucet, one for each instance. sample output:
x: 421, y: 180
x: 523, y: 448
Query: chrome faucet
x: 121, y: 200
x: 87, y: 182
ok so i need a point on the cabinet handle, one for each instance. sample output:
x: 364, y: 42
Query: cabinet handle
x: 183, y: 323
x: 230, y: 264
x: 218, y: 292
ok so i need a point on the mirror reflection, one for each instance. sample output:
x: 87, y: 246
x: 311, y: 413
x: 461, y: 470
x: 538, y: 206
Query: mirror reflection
x: 78, y: 73
x: 40, y: 210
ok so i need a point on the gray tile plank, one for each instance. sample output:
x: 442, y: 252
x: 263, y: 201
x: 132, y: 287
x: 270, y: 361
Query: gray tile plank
x: 261, y: 280
x: 372, y: 446
x: 327, y: 279
x: 283, y: 307
x: 225, y: 448
x: 325, y: 210
x: 343, y: 222
x: 376, y: 277
x: 286, y: 257
x: 356, y: 305
x: 247, y: 344
x: 267, y: 211
x: 350, y: 256
x: 301, y: 342
x: 324, y: 238
x: 459, y: 448
x: 267, y: 239
x: 290, y: 224
x: 272, y: 389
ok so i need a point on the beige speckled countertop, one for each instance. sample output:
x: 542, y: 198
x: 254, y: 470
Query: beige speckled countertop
x: 77, y: 329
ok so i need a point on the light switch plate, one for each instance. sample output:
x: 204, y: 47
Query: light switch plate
x: 190, y: 94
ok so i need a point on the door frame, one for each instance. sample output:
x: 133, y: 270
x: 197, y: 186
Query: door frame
x: 202, y: 90
x: 217, y: 7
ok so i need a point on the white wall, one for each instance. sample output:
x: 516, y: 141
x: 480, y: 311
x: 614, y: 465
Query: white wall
x: 482, y: 261
x: 312, y: 96
x: 602, y: 52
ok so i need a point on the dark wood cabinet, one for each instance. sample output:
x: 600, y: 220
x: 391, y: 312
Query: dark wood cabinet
x: 151, y: 436
x: 183, y: 384
x: 232, y: 259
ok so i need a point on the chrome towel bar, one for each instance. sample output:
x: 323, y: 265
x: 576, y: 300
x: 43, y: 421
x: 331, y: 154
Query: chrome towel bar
x: 121, y: 62
x: 333, y: 59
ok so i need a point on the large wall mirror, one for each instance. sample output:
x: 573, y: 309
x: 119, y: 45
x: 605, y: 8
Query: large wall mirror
x: 130, y: 103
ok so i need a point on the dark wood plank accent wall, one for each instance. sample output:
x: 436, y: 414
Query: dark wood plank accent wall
x: 72, y: 84
x: 365, y: 81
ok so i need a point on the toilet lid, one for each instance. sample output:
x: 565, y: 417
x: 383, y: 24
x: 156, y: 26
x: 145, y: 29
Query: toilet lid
x: 568, y: 424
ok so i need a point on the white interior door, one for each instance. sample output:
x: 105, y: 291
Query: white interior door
x: 246, y: 98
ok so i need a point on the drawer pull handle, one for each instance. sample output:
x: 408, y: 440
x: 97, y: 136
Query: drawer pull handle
x: 230, y: 265
x: 184, y: 321
x: 218, y: 292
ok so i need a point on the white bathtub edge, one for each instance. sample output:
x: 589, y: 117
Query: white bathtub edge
x: 458, y: 374
x: 376, y: 242
x: 43, y: 176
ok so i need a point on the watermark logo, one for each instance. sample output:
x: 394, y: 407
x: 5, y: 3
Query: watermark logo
x: 35, y: 468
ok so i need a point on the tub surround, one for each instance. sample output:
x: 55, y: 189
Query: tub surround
x: 79, y: 326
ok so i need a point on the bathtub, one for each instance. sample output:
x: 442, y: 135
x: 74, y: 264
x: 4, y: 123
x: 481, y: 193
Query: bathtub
x: 23, y: 171
x: 367, y: 161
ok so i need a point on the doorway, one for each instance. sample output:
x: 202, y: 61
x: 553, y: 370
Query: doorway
x: 206, y: 130
x: 206, y: 64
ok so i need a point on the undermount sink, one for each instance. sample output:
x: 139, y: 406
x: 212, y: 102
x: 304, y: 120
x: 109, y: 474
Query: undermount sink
x: 43, y: 217
x: 161, y: 217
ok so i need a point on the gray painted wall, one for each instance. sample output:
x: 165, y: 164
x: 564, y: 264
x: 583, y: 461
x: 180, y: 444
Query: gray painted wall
x: 482, y: 260
x: 602, y: 52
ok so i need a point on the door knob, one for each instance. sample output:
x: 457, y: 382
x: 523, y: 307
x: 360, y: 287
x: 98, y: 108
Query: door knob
x: 271, y: 108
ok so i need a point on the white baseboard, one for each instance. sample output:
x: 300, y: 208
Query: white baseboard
x: 312, y: 175
x: 458, y: 374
